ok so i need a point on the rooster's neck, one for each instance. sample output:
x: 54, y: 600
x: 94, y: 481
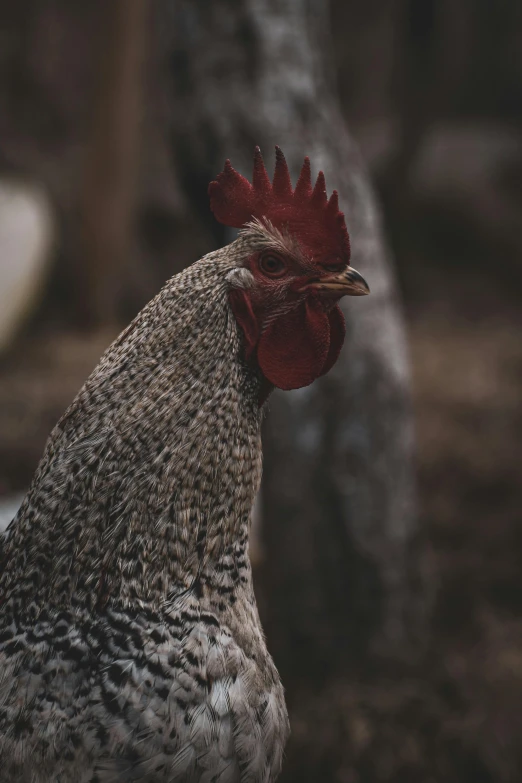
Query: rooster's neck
x: 148, y: 481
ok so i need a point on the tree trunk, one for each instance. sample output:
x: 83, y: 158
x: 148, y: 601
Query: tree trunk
x: 109, y: 196
x: 337, y: 501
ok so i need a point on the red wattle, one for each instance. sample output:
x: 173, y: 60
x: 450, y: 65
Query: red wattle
x: 297, y: 347
x: 337, y: 334
x: 293, y: 350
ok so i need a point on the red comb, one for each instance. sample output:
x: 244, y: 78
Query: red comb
x: 307, y: 213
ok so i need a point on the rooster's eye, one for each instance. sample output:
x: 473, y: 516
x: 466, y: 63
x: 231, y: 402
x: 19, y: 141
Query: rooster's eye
x: 271, y: 265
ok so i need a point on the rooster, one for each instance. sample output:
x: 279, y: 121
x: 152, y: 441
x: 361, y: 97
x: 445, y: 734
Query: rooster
x: 130, y: 643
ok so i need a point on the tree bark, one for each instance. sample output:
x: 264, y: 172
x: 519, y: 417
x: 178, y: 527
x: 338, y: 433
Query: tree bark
x: 337, y: 499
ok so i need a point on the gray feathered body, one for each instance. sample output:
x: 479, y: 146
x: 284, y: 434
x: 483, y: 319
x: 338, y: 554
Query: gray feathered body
x: 130, y: 643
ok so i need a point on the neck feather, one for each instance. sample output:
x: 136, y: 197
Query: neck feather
x: 148, y: 480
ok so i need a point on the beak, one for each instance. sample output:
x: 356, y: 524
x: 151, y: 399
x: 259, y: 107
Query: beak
x: 348, y: 282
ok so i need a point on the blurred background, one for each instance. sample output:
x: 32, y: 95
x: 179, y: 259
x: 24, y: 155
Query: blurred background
x: 388, y: 568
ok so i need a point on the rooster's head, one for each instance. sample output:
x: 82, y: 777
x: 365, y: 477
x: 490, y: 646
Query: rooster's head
x: 295, y: 268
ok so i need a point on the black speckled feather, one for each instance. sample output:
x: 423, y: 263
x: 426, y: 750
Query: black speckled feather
x: 130, y: 643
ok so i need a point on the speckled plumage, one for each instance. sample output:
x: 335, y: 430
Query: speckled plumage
x: 130, y: 643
